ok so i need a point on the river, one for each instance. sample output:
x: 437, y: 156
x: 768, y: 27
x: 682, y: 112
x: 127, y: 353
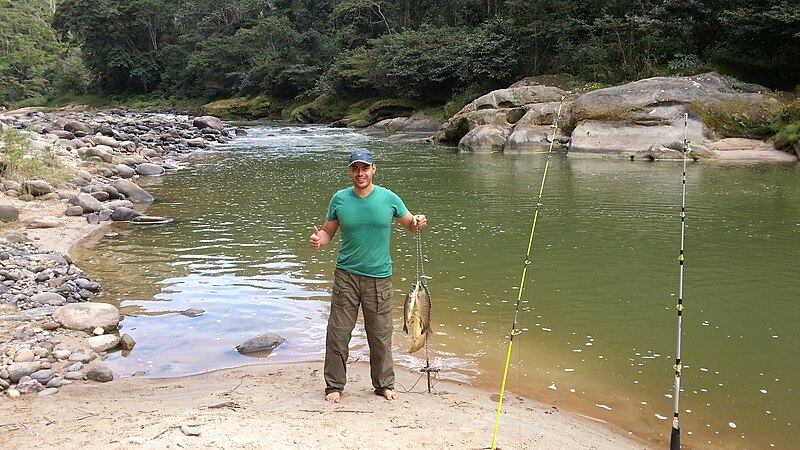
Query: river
x: 598, y: 310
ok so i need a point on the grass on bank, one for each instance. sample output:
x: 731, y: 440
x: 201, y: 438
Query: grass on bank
x: 20, y: 163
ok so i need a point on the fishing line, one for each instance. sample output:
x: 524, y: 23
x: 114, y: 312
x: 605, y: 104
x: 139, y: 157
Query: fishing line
x: 525, y: 266
x: 675, y: 437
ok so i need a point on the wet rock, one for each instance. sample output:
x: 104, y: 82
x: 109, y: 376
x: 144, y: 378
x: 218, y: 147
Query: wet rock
x: 124, y: 214
x: 126, y: 342
x: 262, y: 343
x: 133, y: 192
x: 102, y: 343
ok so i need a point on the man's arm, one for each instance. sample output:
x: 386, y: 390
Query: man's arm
x: 321, y: 238
x: 413, y: 223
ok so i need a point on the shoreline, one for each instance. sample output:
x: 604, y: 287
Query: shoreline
x: 282, y: 406
x: 123, y: 412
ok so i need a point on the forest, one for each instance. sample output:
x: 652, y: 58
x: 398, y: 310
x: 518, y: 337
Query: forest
x: 427, y: 51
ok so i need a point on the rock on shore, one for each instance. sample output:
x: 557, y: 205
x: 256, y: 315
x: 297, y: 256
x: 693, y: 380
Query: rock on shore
x: 639, y: 120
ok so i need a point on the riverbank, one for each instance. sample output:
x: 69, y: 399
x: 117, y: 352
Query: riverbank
x: 281, y: 406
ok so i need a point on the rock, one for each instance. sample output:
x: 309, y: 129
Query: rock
x: 126, y: 343
x: 262, y: 343
x: 105, y: 140
x: 74, y: 211
x: 133, y: 192
x: 149, y: 220
x: 208, y: 122
x: 18, y: 370
x: 101, y: 196
x: 48, y: 298
x: 42, y: 222
x: 485, y: 138
x: 29, y: 387
x: 61, y: 354
x: 38, y: 187
x: 13, y: 393
x: 9, y: 213
x: 48, y: 392
x: 193, y: 312
x: 43, y: 376
x: 93, y: 218
x: 644, y: 117
x: 24, y: 355
x: 79, y: 357
x: 102, y: 343
x: 123, y: 214
x: 125, y: 171
x: 74, y: 376
x: 87, y: 316
x: 87, y: 202
x: 78, y: 128
x: 100, y: 373
x: 148, y: 169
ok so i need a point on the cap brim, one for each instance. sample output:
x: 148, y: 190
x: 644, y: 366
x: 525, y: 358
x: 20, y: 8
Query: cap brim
x: 360, y: 161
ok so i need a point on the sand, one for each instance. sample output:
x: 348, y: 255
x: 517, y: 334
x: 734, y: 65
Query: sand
x: 283, y: 406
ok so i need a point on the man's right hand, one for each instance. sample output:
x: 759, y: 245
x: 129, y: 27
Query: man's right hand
x: 315, y: 240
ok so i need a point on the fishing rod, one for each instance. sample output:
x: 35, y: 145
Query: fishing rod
x: 525, y: 266
x: 675, y: 437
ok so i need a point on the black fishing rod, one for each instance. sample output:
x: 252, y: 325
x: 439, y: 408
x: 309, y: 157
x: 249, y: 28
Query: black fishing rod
x: 525, y: 266
x: 675, y: 438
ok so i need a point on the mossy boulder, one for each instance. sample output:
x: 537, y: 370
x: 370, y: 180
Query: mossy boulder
x: 251, y: 108
x: 391, y: 108
x: 323, y: 109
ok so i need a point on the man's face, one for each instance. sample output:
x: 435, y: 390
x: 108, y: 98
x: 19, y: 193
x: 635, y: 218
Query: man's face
x: 361, y: 173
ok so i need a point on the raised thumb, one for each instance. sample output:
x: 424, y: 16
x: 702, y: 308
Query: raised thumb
x: 316, y: 230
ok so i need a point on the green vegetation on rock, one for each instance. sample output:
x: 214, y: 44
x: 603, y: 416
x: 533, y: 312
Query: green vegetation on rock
x: 18, y: 162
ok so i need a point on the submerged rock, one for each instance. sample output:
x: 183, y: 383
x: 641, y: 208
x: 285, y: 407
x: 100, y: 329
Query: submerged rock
x: 263, y: 343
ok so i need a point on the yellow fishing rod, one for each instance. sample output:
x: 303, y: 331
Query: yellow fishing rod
x: 525, y: 266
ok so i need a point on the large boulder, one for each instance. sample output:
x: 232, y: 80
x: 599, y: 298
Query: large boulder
x: 534, y: 130
x: 87, y: 202
x: 132, y: 191
x: 203, y: 122
x: 88, y: 316
x: 502, y: 110
x: 645, y: 117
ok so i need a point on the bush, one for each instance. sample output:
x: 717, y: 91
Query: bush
x: 20, y: 163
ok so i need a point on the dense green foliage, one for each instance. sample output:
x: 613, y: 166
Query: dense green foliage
x: 431, y: 51
x: 32, y: 62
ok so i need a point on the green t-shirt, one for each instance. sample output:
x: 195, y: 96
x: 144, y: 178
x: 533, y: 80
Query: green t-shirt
x: 366, y: 225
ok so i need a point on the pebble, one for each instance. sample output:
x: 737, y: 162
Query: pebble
x: 47, y: 392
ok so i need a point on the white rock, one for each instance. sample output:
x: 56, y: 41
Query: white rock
x: 98, y: 331
x: 102, y: 343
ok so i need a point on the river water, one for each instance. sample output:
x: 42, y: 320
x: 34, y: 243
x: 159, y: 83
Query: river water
x: 598, y: 309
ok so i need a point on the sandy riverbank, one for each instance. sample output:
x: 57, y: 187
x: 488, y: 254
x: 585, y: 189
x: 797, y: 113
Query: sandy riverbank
x: 282, y: 406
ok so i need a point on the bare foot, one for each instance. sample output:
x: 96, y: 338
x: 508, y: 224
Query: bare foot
x: 334, y: 397
x: 389, y: 394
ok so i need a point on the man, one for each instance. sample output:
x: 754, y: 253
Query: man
x: 364, y: 212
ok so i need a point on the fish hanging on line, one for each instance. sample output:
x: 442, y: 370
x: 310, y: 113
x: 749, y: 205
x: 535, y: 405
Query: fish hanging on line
x: 417, y: 315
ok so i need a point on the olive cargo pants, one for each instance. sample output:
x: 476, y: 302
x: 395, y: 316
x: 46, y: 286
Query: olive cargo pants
x: 374, y: 295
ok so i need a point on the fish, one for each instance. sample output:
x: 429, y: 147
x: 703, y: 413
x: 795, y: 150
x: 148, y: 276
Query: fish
x: 417, y: 315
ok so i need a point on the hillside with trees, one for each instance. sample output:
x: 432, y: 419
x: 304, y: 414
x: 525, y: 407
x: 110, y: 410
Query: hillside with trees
x: 427, y: 51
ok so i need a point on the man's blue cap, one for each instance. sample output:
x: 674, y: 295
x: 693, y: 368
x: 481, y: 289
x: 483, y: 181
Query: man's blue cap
x: 361, y: 155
